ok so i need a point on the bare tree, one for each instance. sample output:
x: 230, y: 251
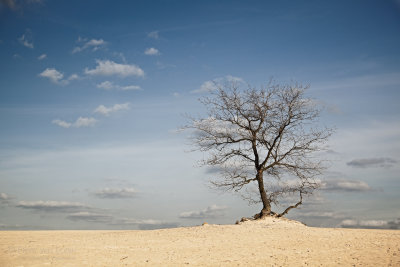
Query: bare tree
x: 263, y: 137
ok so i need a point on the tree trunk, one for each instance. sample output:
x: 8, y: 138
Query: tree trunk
x: 266, y: 210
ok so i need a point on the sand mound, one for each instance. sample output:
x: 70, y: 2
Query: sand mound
x: 271, y: 222
x: 267, y: 242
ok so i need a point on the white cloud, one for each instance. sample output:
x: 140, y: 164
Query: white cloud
x: 108, y: 68
x: 53, y: 75
x: 209, y: 212
x: 151, y: 51
x: 320, y: 214
x: 107, y: 110
x: 127, y: 221
x: 116, y: 193
x: 61, y: 123
x: 26, y: 39
x: 42, y: 56
x: 94, y: 44
x: 153, y: 34
x: 4, y: 196
x: 80, y: 122
x: 345, y: 185
x: 4, y: 199
x: 209, y: 86
x: 107, y: 85
x: 57, y: 77
x: 374, y: 224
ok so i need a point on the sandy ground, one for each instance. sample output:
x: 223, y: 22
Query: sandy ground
x: 271, y: 242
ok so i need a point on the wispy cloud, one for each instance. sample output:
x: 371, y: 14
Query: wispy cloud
x: 26, y: 39
x: 90, y: 217
x: 80, y: 122
x: 73, y: 77
x: 62, y: 123
x: 372, y: 162
x: 130, y: 88
x: 152, y: 51
x: 147, y: 224
x: 107, y: 110
x: 107, y: 85
x: 209, y: 212
x: 345, y: 186
x: 230, y: 78
x: 42, y: 56
x: 85, y: 122
x: 120, y: 55
x: 371, y: 224
x: 51, y: 206
x: 115, y: 193
x: 153, y: 34
x: 93, y: 44
x: 108, y: 68
x: 209, y: 86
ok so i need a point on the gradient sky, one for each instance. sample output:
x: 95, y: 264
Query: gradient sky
x: 92, y: 94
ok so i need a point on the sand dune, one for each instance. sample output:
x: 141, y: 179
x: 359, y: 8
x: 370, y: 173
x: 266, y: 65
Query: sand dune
x: 271, y: 242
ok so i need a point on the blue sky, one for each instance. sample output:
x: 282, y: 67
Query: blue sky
x: 92, y: 94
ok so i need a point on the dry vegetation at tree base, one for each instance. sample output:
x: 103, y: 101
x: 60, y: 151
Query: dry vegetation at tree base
x: 267, y: 242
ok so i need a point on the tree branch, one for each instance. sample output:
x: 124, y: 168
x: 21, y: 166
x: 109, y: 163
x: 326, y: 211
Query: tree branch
x: 292, y: 207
